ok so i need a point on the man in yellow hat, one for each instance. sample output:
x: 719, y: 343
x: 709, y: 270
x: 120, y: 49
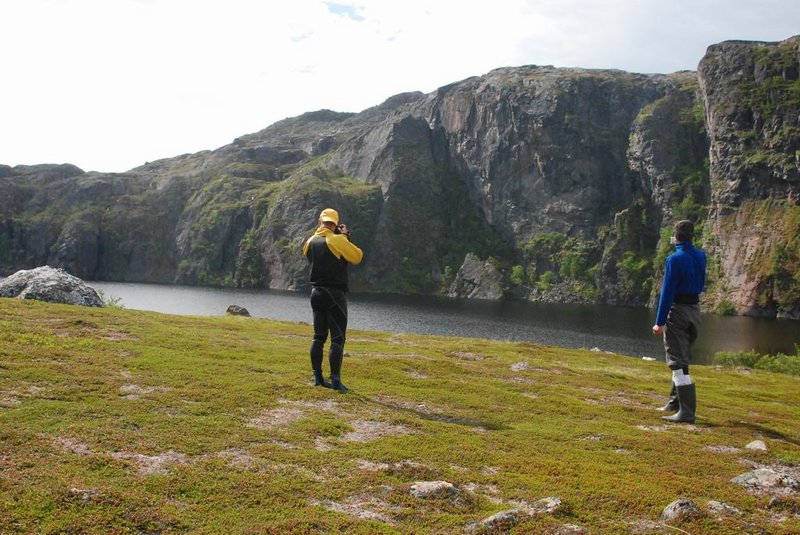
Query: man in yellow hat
x: 329, y: 251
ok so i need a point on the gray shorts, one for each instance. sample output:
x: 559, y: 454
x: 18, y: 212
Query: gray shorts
x: 682, y: 326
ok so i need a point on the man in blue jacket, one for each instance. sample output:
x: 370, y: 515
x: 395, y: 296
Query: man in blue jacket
x: 678, y: 318
x: 329, y: 251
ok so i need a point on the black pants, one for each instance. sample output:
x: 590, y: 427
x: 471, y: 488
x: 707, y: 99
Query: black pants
x: 330, y: 316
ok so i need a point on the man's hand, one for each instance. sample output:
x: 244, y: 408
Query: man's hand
x: 658, y: 330
x: 343, y: 230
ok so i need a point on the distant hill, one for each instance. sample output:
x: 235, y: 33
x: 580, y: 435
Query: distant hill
x: 542, y: 183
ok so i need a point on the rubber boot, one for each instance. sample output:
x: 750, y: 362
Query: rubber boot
x: 316, y: 363
x: 319, y: 380
x: 672, y: 405
x: 335, y: 357
x: 687, y: 397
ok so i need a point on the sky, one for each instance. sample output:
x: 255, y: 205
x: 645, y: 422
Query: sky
x: 110, y: 84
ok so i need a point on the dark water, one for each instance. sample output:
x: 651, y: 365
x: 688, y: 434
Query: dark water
x: 622, y: 330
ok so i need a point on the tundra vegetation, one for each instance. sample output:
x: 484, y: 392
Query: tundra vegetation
x: 115, y: 421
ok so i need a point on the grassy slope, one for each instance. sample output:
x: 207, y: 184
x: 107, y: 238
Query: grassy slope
x: 86, y: 394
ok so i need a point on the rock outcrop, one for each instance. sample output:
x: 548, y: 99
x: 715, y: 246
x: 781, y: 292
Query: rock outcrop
x: 51, y: 285
x: 477, y: 279
x: 564, y: 181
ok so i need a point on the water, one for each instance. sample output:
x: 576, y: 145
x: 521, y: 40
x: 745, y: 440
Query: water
x: 624, y: 330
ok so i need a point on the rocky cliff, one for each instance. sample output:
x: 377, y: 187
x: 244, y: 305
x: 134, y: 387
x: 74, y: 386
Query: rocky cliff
x: 566, y: 180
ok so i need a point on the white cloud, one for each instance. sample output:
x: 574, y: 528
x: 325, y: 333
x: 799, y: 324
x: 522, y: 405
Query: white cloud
x: 109, y: 84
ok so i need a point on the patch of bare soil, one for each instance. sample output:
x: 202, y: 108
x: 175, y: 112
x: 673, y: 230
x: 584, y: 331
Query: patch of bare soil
x: 238, y: 458
x: 147, y: 465
x: 368, y: 507
x: 70, y: 445
x: 366, y: 430
x: 133, y: 391
x: 328, y: 405
x: 414, y: 374
x: 617, y: 399
x: 13, y: 397
x: 88, y: 329
x: 395, y: 403
x: 275, y: 418
x: 322, y: 444
x: 466, y: 355
x: 653, y: 428
x: 377, y: 355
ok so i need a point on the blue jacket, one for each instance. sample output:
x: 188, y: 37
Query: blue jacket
x: 684, y: 273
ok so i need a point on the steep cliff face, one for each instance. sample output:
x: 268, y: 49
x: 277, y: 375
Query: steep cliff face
x: 751, y: 93
x: 564, y: 181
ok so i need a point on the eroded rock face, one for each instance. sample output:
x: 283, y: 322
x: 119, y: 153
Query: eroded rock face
x: 50, y: 284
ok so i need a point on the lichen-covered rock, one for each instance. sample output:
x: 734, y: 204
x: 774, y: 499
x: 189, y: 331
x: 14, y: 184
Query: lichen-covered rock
x: 433, y: 489
x: 680, y: 510
x: 50, y: 284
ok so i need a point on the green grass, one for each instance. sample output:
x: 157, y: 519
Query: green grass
x: 89, y: 398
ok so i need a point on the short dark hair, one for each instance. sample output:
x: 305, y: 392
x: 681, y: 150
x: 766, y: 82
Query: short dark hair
x: 684, y: 230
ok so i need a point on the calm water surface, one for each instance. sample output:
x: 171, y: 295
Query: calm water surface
x: 624, y: 330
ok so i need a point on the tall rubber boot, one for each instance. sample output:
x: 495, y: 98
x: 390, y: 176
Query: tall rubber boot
x: 672, y: 405
x: 687, y: 397
x: 316, y: 363
x: 335, y: 355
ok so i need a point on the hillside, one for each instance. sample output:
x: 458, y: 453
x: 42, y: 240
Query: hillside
x: 538, y: 182
x: 124, y: 421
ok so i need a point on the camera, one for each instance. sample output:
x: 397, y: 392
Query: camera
x: 340, y: 229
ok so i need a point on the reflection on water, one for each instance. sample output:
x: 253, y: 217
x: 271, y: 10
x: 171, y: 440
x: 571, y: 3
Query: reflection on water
x: 623, y: 330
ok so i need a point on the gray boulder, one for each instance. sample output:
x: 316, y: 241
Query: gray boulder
x: 50, y: 284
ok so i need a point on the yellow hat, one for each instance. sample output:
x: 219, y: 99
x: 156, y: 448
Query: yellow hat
x: 330, y: 215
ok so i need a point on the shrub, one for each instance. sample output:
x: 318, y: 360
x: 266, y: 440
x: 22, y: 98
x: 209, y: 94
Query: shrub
x: 780, y: 363
x: 725, y: 308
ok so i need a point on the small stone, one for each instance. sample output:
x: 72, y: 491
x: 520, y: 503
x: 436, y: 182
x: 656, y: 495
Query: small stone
x: 84, y: 495
x: 236, y: 310
x: 433, y: 489
x: 545, y: 506
x: 757, y: 445
x: 681, y: 509
x: 720, y: 508
x: 498, y: 522
x: 520, y: 366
